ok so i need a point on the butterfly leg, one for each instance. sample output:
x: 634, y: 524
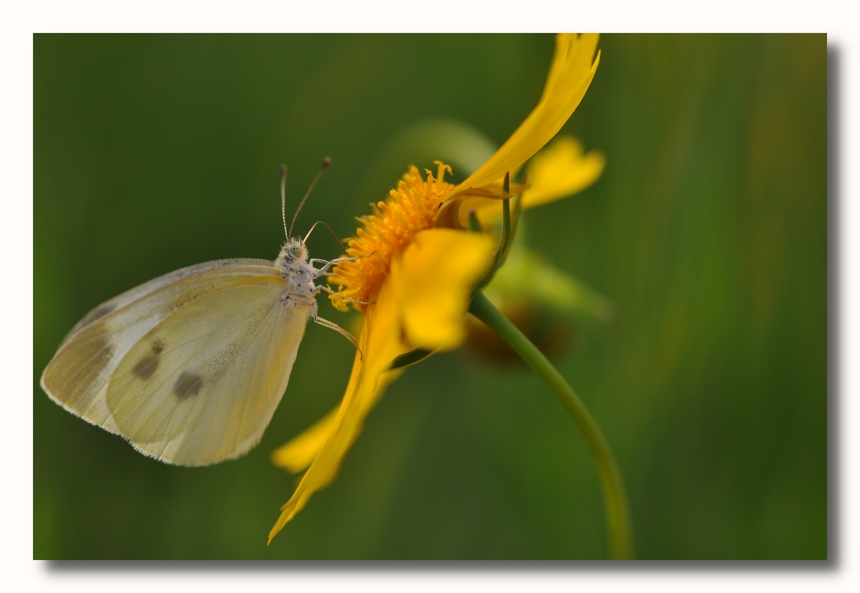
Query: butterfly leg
x: 338, y: 329
x: 323, y: 287
x: 327, y: 264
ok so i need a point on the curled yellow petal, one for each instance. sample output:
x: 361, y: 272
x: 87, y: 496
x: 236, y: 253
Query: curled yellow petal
x: 433, y: 280
x: 380, y: 344
x: 570, y: 75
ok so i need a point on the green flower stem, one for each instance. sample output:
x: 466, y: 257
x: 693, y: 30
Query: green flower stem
x: 617, y: 513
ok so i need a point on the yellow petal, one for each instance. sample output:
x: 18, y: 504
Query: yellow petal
x: 561, y: 169
x: 380, y: 344
x: 570, y: 75
x: 433, y: 280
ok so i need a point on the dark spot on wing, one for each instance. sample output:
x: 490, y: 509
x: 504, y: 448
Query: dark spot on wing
x: 147, y: 366
x: 187, y: 384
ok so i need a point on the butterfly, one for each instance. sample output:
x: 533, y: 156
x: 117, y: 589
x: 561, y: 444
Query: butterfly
x: 191, y: 366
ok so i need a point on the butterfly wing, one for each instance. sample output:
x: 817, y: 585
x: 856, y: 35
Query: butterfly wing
x: 189, y: 367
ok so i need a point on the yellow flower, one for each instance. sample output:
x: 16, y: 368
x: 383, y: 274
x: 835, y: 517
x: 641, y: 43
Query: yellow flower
x: 413, y: 269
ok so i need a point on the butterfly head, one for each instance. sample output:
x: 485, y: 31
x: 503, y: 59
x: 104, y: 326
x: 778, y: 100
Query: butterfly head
x: 294, y: 251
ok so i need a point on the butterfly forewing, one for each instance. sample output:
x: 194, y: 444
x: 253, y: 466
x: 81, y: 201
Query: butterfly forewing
x: 213, y: 372
x: 109, y: 362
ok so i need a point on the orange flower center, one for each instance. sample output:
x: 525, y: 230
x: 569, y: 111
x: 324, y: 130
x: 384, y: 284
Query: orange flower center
x: 409, y: 209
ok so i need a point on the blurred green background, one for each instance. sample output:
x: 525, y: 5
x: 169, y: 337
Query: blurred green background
x: 707, y: 231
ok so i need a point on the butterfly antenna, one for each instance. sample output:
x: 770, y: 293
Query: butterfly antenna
x: 325, y: 165
x: 284, y: 199
x: 325, y: 224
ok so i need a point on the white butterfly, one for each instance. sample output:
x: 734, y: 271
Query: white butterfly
x: 190, y: 367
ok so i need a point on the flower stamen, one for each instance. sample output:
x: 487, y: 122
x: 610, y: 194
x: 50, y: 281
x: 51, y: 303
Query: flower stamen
x: 409, y: 209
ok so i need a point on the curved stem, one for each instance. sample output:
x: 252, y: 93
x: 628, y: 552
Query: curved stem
x: 617, y: 513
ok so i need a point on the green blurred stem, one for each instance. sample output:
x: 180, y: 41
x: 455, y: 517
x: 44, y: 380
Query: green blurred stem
x: 617, y: 513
